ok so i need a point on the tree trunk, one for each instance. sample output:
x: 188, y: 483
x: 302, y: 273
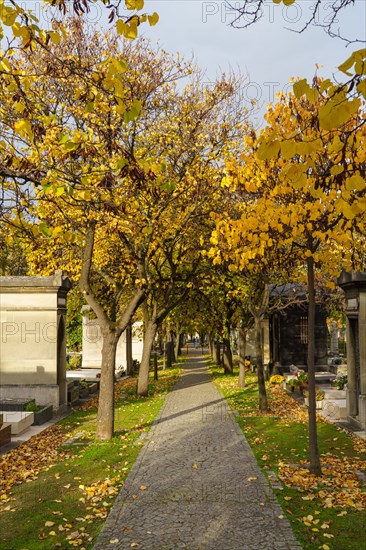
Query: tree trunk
x: 216, y: 350
x: 211, y: 345
x: 155, y: 366
x: 150, y: 329
x: 129, y: 357
x: 242, y: 352
x: 105, y: 417
x: 315, y: 467
x: 227, y: 356
x: 168, y: 349
x: 178, y: 344
x: 263, y: 402
x: 174, y: 357
x: 110, y: 334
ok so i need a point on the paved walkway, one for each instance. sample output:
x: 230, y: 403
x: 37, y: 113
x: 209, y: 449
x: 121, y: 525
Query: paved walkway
x: 196, y: 484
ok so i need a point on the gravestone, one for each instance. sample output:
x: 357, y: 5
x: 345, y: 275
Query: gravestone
x: 33, y: 339
x: 354, y: 287
x: 130, y: 343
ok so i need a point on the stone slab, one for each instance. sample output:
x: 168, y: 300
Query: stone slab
x: 334, y: 395
x: 19, y: 421
x: 334, y: 410
x: 90, y: 375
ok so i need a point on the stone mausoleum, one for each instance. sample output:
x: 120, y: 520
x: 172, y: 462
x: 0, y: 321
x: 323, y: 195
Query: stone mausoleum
x: 354, y: 287
x: 33, y: 339
x: 93, y: 343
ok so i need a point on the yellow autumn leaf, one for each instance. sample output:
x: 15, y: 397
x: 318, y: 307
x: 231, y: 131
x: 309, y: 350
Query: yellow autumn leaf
x: 355, y: 183
x: 8, y: 16
x: 134, y: 4
x: 23, y: 128
x: 336, y: 169
x: 153, y: 19
x: 55, y: 37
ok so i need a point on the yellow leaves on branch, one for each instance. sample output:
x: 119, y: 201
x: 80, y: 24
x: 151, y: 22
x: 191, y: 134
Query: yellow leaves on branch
x: 356, y: 61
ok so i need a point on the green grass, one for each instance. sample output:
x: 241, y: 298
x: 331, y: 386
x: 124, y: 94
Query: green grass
x: 66, y: 504
x: 278, y: 439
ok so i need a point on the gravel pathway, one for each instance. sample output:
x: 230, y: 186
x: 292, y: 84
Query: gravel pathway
x: 196, y: 484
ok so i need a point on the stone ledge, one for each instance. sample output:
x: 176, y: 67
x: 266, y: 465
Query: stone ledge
x: 19, y: 421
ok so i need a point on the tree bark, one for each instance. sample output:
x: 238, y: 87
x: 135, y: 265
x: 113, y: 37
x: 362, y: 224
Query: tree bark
x: 168, y: 348
x: 150, y: 330
x: 211, y: 345
x: 129, y: 357
x: 155, y: 366
x: 315, y: 467
x: 105, y: 416
x: 242, y: 333
x: 227, y: 356
x: 263, y: 401
x: 178, y: 345
x: 217, y: 352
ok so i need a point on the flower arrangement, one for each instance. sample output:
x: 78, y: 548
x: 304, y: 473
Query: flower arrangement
x: 341, y: 381
x: 302, y: 377
x: 276, y: 379
x: 293, y: 382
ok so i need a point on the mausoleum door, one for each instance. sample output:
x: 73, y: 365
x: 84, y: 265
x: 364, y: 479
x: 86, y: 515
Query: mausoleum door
x: 353, y: 353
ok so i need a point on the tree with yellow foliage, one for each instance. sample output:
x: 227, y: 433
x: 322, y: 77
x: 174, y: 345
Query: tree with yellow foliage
x: 305, y: 180
x: 124, y: 167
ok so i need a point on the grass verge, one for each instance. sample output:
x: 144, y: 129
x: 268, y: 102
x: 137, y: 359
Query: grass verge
x: 57, y: 489
x: 326, y: 513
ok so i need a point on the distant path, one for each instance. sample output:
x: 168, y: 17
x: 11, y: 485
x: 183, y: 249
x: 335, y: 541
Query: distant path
x: 204, y: 490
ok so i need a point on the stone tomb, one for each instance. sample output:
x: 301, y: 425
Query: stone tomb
x: 19, y: 421
x: 354, y: 287
x: 33, y: 339
x: 5, y: 431
x: 93, y: 343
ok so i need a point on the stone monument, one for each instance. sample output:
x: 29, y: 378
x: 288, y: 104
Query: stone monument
x: 130, y: 342
x: 33, y: 339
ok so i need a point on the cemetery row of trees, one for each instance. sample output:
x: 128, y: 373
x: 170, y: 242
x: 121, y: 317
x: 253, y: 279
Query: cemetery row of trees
x: 153, y: 192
